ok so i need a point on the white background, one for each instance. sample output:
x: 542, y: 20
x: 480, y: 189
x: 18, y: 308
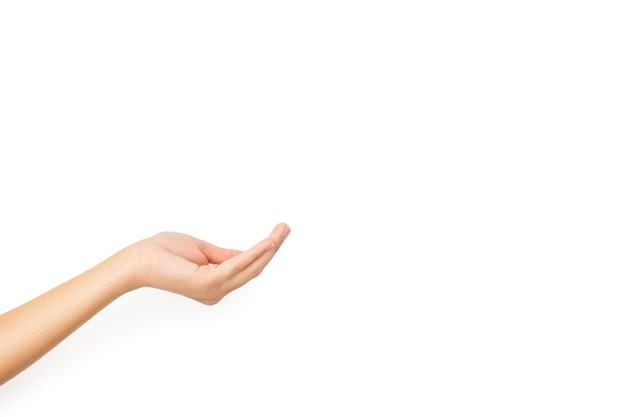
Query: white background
x: 453, y: 173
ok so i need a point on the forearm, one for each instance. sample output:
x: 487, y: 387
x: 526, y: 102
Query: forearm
x: 31, y: 330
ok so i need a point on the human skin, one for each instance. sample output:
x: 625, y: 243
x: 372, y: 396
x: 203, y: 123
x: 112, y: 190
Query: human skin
x: 169, y: 261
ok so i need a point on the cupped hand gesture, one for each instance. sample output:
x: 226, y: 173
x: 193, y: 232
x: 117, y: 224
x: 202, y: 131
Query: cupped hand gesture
x: 194, y: 268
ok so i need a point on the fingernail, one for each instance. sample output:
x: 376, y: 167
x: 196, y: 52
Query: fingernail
x: 286, y: 233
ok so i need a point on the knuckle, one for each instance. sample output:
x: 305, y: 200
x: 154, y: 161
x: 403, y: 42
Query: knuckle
x: 257, y: 271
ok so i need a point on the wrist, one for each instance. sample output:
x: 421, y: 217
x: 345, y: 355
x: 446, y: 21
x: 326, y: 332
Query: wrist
x: 120, y: 270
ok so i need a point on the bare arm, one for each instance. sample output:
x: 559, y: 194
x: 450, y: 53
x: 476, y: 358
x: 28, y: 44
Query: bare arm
x: 170, y: 261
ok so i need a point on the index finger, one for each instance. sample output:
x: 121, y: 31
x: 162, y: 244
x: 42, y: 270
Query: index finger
x: 256, y: 266
x: 237, y: 263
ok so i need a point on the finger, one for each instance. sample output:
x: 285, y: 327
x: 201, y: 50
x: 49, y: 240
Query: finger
x: 280, y: 233
x: 251, y: 271
x: 276, y: 238
x: 234, y: 265
x: 215, y: 254
x: 254, y: 269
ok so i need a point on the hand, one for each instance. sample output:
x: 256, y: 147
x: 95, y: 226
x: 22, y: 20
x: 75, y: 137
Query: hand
x: 194, y: 268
